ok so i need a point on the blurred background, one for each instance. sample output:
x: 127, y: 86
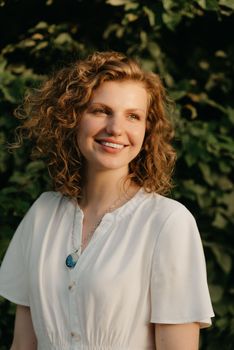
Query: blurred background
x: 190, y: 44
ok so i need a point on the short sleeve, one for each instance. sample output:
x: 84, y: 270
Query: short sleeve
x: 13, y: 272
x: 178, y: 288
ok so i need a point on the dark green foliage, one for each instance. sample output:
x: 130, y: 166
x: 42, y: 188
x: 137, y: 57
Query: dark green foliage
x: 190, y: 44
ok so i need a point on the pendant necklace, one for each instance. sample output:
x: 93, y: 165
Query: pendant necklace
x: 72, y: 258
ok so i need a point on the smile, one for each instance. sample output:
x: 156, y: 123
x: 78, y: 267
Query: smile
x: 112, y: 145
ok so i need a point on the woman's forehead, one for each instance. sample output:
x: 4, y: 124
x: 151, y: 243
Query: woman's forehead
x: 129, y: 94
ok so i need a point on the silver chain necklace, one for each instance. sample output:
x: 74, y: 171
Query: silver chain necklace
x: 72, y: 258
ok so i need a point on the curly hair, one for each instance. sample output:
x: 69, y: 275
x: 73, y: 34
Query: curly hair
x: 51, y: 116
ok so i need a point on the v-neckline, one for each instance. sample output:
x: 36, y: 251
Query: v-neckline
x: 107, y: 222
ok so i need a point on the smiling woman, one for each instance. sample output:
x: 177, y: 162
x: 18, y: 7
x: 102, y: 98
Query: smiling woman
x: 52, y: 116
x: 105, y: 261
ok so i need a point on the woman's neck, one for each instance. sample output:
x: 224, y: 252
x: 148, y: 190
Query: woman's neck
x: 105, y: 190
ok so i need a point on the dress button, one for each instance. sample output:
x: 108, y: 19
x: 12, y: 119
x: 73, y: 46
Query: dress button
x: 75, y: 336
x: 71, y: 285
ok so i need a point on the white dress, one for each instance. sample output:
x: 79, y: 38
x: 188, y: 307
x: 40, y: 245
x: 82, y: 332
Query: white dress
x: 144, y: 265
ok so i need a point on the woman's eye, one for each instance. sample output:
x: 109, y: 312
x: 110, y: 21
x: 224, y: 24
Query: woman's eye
x: 134, y: 116
x: 99, y: 111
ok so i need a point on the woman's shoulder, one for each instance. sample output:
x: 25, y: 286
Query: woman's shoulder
x: 166, y: 207
x: 46, y: 203
x: 47, y: 198
x: 49, y: 195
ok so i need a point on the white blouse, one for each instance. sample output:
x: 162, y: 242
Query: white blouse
x: 144, y: 265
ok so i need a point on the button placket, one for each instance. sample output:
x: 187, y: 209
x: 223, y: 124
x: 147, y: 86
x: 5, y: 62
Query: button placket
x: 75, y: 320
x: 75, y: 332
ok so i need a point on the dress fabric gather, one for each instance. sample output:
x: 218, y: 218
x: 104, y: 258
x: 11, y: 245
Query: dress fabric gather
x: 144, y: 265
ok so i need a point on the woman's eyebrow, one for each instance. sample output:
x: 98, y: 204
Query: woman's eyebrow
x: 133, y: 109
x: 94, y: 104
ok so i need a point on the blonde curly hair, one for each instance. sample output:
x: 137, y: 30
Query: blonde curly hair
x: 51, y: 116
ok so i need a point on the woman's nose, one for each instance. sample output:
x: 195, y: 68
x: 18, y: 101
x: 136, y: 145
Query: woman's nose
x: 114, y: 126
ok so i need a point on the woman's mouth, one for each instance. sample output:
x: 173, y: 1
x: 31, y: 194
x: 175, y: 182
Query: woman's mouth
x: 111, y: 144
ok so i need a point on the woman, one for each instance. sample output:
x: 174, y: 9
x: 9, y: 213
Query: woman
x: 106, y: 261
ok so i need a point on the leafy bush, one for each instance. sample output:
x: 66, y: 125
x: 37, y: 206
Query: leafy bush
x: 182, y: 42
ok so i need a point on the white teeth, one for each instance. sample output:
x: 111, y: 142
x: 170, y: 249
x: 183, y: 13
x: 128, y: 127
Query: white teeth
x: 113, y: 145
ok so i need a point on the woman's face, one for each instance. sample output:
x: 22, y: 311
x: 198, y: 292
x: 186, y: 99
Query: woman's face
x: 112, y: 128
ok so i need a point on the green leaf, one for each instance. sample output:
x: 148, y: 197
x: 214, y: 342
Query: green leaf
x: 224, y: 183
x: 227, y: 3
x: 168, y: 4
x: 35, y: 166
x: 207, y: 173
x: 131, y: 17
x: 212, y: 5
x: 208, y: 4
x: 171, y: 20
x: 42, y: 45
x: 222, y: 258
x: 41, y: 25
x: 3, y: 63
x: 150, y: 14
x: 219, y: 221
x: 177, y: 95
x: 148, y: 64
x: 131, y: 6
x: 190, y: 159
x: 27, y: 43
x: 118, y: 2
x: 230, y: 113
x: 227, y: 200
x: 224, y: 167
x: 63, y: 38
x: 110, y: 29
x: 154, y: 50
x: 192, y: 110
x: 216, y: 292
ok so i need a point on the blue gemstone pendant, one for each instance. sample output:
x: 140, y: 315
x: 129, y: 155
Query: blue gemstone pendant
x: 72, y: 259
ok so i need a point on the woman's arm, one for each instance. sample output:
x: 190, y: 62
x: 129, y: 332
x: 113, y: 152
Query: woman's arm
x: 24, y: 336
x: 177, y: 336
